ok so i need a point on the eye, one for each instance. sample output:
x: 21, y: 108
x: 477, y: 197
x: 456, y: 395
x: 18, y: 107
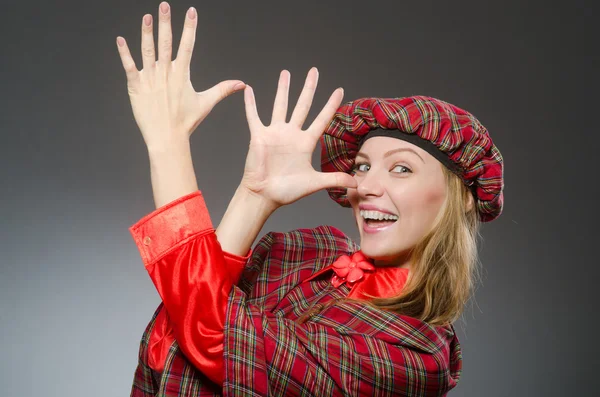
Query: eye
x: 403, y: 169
x: 362, y: 167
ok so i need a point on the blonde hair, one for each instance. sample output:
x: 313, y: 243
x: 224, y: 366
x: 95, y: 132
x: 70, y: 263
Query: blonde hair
x: 444, y: 264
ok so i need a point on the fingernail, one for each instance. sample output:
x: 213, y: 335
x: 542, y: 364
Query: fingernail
x: 164, y: 8
x: 192, y: 13
x: 147, y: 20
x: 120, y: 41
x: 238, y: 86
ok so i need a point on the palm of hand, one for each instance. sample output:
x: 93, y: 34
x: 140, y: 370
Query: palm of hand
x: 278, y: 166
x: 165, y: 105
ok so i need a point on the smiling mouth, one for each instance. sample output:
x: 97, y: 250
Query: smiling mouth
x: 376, y: 223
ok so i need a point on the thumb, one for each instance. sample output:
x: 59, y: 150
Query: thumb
x: 222, y: 90
x: 335, y: 179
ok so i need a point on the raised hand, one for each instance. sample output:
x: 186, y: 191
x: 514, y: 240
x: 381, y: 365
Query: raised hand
x: 278, y: 167
x: 165, y: 105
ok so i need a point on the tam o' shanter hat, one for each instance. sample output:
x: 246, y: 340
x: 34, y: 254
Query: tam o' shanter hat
x: 452, y: 135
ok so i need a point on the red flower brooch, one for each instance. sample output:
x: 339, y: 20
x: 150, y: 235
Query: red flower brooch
x: 350, y: 269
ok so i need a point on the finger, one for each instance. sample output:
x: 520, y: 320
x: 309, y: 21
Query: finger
x: 325, y: 180
x: 165, y: 36
x: 306, y: 97
x: 251, y: 113
x: 281, y: 99
x: 127, y: 61
x: 324, y: 118
x: 221, y: 91
x: 148, y: 55
x: 186, y: 45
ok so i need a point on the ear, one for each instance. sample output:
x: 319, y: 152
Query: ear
x: 470, y: 202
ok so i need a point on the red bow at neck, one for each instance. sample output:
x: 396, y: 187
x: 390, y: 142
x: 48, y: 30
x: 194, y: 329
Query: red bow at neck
x: 350, y: 269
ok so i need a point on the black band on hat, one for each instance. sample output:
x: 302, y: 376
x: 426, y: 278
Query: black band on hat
x: 416, y: 140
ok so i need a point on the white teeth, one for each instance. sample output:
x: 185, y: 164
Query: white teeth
x: 377, y: 215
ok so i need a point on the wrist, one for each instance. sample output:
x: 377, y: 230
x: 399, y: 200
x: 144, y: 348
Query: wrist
x: 169, y: 149
x: 253, y: 202
x: 244, y: 218
x: 172, y: 173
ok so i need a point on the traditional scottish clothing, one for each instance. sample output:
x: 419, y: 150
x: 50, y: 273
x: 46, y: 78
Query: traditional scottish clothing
x: 292, y: 318
x: 347, y: 349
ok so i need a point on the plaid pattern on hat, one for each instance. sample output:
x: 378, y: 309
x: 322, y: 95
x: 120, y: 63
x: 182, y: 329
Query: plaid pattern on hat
x: 454, y: 131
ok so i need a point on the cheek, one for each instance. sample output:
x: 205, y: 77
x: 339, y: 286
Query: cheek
x: 424, y: 200
x: 434, y: 197
x: 432, y: 202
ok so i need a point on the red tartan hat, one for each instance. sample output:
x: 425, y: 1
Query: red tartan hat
x: 452, y: 135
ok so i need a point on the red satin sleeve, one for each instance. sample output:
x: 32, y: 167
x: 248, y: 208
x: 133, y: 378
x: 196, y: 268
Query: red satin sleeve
x: 162, y: 336
x: 193, y: 276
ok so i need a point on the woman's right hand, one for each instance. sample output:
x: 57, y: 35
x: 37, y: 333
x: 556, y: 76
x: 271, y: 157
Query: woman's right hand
x: 278, y: 166
x: 165, y: 105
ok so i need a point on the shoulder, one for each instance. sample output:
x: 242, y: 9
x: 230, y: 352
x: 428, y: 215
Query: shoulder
x: 294, y: 255
x: 322, y: 240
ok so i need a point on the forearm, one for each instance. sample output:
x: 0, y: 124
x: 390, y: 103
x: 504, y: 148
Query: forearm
x: 173, y: 176
x: 243, y: 220
x: 172, y: 173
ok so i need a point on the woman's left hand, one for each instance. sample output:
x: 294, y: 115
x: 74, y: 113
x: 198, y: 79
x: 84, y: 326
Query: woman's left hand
x: 278, y: 166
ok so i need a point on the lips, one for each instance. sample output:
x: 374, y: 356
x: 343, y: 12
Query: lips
x: 375, y: 226
x: 371, y: 207
x: 379, y: 226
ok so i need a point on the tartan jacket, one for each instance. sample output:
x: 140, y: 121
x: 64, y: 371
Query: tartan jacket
x: 346, y: 349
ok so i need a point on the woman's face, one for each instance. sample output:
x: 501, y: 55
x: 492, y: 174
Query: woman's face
x: 399, y: 181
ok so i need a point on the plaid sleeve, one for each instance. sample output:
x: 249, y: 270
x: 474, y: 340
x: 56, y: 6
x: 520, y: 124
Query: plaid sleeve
x: 340, y: 354
x: 143, y: 382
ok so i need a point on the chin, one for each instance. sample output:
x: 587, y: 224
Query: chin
x: 376, y: 251
x: 383, y: 252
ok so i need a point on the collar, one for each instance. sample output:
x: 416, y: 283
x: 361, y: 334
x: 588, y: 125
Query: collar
x: 364, y: 279
x: 384, y: 282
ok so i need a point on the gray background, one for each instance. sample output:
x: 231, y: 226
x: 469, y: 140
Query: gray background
x: 74, y: 172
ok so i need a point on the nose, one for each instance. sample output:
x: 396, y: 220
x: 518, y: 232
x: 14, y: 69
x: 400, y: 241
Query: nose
x: 370, y: 185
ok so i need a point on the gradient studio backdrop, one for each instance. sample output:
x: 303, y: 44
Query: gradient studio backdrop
x: 74, y: 295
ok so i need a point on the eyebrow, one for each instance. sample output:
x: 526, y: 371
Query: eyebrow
x: 390, y: 152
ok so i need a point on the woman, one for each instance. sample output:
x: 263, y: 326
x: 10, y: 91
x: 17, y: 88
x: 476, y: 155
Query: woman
x: 308, y: 312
